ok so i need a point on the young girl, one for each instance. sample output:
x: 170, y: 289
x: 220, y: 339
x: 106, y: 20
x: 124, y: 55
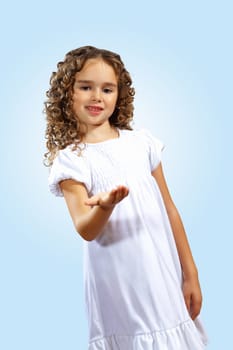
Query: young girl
x: 141, y: 282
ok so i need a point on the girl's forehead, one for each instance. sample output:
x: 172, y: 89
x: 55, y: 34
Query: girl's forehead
x: 93, y: 61
x: 97, y: 66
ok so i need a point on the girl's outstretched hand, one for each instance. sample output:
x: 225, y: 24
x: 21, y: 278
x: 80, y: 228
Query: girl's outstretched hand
x: 107, y: 200
x: 192, y: 296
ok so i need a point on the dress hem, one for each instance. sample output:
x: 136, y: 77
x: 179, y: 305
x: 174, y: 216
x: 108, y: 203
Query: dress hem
x: 184, y: 336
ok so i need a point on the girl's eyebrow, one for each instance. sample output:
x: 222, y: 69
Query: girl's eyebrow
x: 91, y: 82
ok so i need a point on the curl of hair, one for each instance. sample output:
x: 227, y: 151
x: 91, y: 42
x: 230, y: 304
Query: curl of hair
x: 63, y: 127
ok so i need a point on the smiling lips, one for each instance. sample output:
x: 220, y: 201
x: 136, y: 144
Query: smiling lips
x: 94, y: 110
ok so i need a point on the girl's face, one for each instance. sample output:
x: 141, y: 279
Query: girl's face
x: 95, y: 93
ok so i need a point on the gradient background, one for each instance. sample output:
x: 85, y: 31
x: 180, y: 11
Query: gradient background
x: 180, y: 57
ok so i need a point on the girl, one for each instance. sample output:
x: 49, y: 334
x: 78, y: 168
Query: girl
x: 141, y: 282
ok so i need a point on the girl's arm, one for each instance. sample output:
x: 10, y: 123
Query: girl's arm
x: 89, y: 215
x: 191, y: 286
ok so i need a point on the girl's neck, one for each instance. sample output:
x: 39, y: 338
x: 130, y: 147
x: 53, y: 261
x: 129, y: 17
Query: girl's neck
x: 101, y: 133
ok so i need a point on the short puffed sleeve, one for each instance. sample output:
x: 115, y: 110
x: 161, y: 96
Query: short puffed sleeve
x: 68, y: 165
x: 155, y: 148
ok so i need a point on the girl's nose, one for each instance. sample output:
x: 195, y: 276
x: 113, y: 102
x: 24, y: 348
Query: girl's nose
x: 96, y: 96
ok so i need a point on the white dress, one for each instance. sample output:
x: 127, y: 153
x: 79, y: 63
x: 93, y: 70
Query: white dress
x: 132, y: 271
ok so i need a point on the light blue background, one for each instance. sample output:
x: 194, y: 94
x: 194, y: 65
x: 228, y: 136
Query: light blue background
x: 180, y: 57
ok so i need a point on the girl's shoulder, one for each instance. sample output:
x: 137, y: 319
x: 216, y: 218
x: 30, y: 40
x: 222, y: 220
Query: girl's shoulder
x: 144, y: 137
x: 68, y: 164
x: 142, y: 141
x: 140, y: 134
x: 134, y: 132
x: 70, y: 151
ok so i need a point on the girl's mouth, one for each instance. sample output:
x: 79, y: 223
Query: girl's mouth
x: 94, y: 110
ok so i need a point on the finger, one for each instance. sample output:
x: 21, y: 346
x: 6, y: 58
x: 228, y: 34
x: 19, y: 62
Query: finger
x: 125, y: 191
x: 117, y: 195
x: 112, y: 196
x: 121, y: 193
x: 187, y: 299
x: 195, y: 307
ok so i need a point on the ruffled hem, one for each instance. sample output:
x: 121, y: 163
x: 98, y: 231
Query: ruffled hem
x: 186, y: 336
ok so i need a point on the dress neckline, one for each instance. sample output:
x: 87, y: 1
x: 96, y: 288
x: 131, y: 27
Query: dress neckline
x: 114, y: 139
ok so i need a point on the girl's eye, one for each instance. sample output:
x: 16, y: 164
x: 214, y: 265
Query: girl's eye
x: 107, y: 90
x: 85, y: 88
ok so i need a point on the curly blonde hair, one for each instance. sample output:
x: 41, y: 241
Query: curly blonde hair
x: 63, y: 127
